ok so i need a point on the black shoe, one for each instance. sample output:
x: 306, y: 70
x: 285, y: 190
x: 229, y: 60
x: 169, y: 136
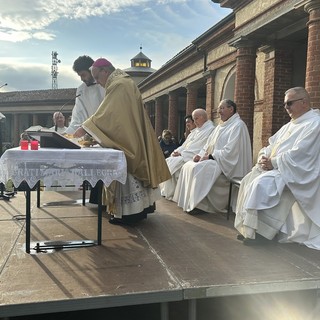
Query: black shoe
x: 119, y: 222
x: 240, y: 237
x: 196, y: 212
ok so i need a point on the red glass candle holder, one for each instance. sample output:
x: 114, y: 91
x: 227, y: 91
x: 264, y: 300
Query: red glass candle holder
x: 24, y: 144
x: 34, y: 145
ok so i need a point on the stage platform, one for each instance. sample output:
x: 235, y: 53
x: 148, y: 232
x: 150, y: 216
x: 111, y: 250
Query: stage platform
x: 171, y: 266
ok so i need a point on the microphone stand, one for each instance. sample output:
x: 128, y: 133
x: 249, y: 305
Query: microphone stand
x: 78, y: 95
x: 2, y: 188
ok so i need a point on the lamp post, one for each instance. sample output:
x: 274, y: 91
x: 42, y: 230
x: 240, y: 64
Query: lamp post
x: 2, y: 117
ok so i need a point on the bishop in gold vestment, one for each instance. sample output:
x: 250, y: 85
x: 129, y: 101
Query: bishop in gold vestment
x: 122, y: 123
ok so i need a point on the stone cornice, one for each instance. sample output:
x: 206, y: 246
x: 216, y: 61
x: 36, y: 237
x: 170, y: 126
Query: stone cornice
x: 308, y: 5
x: 232, y: 4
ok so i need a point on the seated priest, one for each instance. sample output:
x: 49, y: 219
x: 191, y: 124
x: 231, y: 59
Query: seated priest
x: 281, y: 195
x: 193, y: 144
x: 204, y: 181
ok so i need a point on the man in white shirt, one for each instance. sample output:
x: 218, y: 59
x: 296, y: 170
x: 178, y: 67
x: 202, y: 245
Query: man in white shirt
x: 90, y: 94
x: 59, y: 120
x: 193, y: 144
x: 281, y: 195
x: 203, y: 182
x: 89, y: 97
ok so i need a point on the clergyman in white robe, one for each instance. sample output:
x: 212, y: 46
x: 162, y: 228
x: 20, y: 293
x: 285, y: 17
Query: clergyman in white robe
x: 286, y: 198
x: 86, y: 105
x: 193, y: 144
x: 229, y: 148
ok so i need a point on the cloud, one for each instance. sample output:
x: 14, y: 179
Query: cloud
x: 14, y: 36
x: 32, y: 15
x: 21, y: 76
x: 31, y: 29
x: 43, y: 36
x: 30, y: 19
x: 19, y: 36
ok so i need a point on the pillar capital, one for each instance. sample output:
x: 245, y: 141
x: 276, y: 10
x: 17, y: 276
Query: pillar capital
x: 192, y: 85
x: 209, y: 74
x: 270, y: 50
x: 243, y: 42
x: 267, y: 49
x: 310, y: 5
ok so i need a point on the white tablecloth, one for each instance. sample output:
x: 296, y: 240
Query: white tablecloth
x: 64, y: 165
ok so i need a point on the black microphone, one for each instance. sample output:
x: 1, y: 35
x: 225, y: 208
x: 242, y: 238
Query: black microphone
x: 78, y: 95
x: 3, y: 85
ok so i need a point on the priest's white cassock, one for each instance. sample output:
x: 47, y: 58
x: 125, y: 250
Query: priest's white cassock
x: 205, y: 184
x: 193, y: 144
x: 287, y: 198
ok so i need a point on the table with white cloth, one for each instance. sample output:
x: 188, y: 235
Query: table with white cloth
x: 94, y: 165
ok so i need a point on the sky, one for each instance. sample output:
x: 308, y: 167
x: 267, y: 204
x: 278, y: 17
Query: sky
x: 30, y: 30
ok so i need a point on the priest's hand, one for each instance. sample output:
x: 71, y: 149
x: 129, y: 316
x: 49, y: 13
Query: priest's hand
x: 80, y: 132
x: 265, y: 163
x: 205, y: 157
x: 196, y: 158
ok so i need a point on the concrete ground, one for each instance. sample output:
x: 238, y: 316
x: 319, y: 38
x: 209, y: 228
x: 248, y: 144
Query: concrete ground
x: 171, y: 266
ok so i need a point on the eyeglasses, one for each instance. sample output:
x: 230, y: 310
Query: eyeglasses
x: 290, y: 103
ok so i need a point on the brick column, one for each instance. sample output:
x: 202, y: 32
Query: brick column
x: 192, y: 95
x: 245, y: 80
x: 158, y: 116
x: 313, y: 54
x: 210, y: 86
x: 278, y: 75
x: 149, y: 106
x: 173, y: 113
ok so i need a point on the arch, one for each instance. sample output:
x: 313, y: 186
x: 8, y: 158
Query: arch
x: 228, y: 87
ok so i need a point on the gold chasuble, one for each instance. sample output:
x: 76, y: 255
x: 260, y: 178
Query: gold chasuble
x: 122, y: 123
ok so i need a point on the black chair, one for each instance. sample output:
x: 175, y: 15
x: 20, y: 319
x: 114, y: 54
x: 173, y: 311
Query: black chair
x: 235, y: 182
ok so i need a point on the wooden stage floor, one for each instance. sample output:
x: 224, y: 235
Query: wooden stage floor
x: 172, y: 266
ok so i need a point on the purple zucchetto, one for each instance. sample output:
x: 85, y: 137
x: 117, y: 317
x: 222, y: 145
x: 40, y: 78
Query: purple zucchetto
x: 101, y: 62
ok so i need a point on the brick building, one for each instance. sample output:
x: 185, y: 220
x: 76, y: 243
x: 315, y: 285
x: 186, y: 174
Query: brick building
x: 252, y: 56
x: 23, y: 109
